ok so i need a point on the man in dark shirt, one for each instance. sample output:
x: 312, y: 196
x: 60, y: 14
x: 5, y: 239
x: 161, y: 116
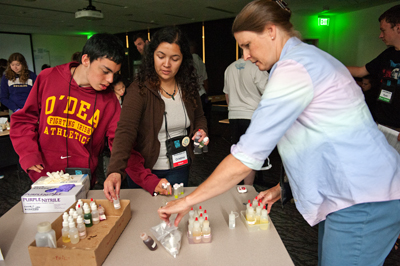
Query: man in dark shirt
x: 386, y: 68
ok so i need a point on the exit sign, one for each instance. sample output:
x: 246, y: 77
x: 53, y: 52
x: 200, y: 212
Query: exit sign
x: 323, y: 21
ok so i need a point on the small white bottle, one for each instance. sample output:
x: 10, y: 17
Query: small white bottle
x: 95, y: 214
x: 206, y: 231
x: 45, y: 236
x: 191, y: 213
x: 201, y: 220
x: 79, y: 210
x: 71, y: 212
x: 205, y: 215
x: 65, y: 216
x: 196, y: 232
x: 73, y: 233
x: 190, y: 226
x: 250, y: 217
x: 81, y: 227
x: 117, y: 204
x: 182, y: 190
x: 75, y: 216
x: 248, y: 204
x: 264, y: 219
x: 65, y: 232
x: 176, y: 191
x: 232, y: 220
x: 255, y: 202
x: 200, y: 211
x: 80, y: 202
x: 258, y: 213
x: 102, y: 215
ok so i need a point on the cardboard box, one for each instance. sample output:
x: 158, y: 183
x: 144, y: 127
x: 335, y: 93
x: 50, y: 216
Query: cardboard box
x: 37, y: 200
x: 93, y: 249
x: 82, y: 180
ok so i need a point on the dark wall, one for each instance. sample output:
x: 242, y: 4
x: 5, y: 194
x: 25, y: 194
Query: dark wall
x: 220, y: 50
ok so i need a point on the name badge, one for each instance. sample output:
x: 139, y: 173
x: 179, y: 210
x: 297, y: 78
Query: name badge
x: 385, y: 96
x: 179, y: 159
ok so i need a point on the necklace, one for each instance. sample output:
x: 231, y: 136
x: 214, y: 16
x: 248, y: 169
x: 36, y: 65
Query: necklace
x: 170, y: 95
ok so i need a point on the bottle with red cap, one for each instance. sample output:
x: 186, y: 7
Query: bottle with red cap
x: 206, y: 231
x: 264, y: 219
x: 196, y: 232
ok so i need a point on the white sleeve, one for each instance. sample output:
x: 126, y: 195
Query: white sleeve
x: 288, y: 92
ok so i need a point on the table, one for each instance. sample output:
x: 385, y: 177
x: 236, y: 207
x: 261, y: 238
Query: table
x: 228, y: 247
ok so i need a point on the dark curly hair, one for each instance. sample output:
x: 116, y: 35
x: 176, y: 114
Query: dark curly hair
x: 186, y: 77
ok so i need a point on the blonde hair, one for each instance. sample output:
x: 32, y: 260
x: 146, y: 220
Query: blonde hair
x: 259, y: 13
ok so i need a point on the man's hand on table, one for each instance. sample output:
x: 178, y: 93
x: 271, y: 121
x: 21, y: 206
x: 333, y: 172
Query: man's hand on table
x: 159, y: 189
x: 179, y: 206
x: 270, y: 196
x: 112, y: 181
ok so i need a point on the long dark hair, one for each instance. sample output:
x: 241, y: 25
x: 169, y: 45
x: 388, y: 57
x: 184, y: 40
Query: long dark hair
x: 186, y: 77
x: 11, y: 75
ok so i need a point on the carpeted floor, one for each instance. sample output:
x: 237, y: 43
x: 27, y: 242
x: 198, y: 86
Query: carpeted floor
x: 299, y: 238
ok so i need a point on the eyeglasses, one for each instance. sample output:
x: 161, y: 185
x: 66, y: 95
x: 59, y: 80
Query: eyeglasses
x: 283, y: 5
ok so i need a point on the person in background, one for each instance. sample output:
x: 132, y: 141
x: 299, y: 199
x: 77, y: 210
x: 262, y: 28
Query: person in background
x: 386, y: 68
x: 76, y: 111
x: 76, y: 57
x: 344, y: 175
x: 3, y: 67
x: 140, y: 40
x: 244, y: 84
x: 160, y: 105
x: 119, y: 88
x: 44, y: 66
x: 16, y: 83
x: 370, y: 88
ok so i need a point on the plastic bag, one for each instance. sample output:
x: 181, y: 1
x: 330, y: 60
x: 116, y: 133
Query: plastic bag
x: 169, y: 236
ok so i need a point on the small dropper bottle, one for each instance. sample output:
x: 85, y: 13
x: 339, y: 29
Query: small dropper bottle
x: 102, y: 215
x: 181, y: 189
x: 87, y: 216
x: 191, y: 213
x: 201, y: 220
x: 73, y: 233
x: 79, y: 210
x: 117, y: 204
x: 148, y: 241
x: 206, y: 231
x: 200, y: 210
x: 65, y: 231
x: 255, y: 202
x: 232, y: 220
x: 176, y: 191
x: 196, y: 232
x: 81, y: 227
x: 95, y: 214
x: 258, y: 213
x: 205, y: 215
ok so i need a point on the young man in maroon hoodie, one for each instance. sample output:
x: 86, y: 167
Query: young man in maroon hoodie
x: 69, y: 112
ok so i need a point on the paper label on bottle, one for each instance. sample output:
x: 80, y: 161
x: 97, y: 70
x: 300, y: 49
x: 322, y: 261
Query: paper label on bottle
x: 83, y: 233
x: 102, y: 217
x: 95, y: 219
x: 154, y: 244
x: 87, y: 221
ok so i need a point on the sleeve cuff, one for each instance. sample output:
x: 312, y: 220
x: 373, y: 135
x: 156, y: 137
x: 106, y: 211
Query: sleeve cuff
x: 245, y: 159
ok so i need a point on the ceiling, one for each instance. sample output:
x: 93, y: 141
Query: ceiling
x: 57, y: 17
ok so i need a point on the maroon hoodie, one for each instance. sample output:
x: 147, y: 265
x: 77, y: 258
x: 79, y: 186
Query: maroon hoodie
x: 57, y: 134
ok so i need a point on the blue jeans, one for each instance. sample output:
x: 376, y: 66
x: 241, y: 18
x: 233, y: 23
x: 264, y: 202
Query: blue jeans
x: 173, y: 176
x: 360, y: 235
